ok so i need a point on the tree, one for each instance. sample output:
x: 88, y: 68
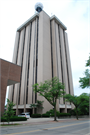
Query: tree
x: 88, y: 62
x: 52, y: 90
x: 33, y: 106
x: 84, y: 107
x: 9, y: 113
x: 85, y: 81
x: 39, y: 105
x: 76, y: 100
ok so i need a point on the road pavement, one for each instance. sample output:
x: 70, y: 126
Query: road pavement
x: 46, y: 126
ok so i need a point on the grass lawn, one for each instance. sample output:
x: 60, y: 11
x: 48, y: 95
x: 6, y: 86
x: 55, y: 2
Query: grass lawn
x: 15, y: 124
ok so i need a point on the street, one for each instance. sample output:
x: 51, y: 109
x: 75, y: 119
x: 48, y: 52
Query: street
x: 72, y: 127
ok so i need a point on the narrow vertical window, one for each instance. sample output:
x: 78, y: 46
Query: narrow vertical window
x: 61, y: 56
x: 16, y: 63
x: 66, y: 62
x: 36, y: 58
x: 56, y: 51
x: 17, y: 49
x: 28, y: 64
x: 21, y: 68
x: 51, y: 48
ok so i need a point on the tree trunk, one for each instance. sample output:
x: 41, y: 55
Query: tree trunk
x: 76, y: 114
x: 55, y: 113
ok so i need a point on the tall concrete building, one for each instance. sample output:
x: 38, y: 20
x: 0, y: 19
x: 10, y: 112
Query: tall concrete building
x: 41, y: 49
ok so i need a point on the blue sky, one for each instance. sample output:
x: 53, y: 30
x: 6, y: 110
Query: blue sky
x: 74, y: 14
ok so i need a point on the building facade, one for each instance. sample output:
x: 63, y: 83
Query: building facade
x: 41, y: 49
x: 9, y: 75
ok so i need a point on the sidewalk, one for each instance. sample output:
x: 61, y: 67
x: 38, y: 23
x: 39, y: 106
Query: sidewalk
x: 35, y: 121
x: 32, y: 120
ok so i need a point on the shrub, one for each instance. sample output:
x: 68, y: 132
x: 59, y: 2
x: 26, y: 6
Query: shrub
x: 58, y: 114
x: 3, y: 119
x: 36, y: 115
x: 45, y: 115
x: 51, y: 112
x: 80, y: 113
x: 73, y: 112
x: 52, y: 115
x: 64, y: 114
x: 15, y: 118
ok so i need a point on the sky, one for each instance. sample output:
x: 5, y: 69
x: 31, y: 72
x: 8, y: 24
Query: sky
x: 74, y: 14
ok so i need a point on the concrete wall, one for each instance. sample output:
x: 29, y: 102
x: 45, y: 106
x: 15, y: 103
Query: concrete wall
x: 41, y: 49
x: 44, y: 55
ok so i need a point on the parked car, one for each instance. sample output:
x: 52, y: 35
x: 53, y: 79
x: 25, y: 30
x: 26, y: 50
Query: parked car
x: 27, y: 115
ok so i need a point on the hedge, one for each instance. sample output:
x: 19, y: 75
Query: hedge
x: 64, y: 114
x: 15, y: 118
x: 36, y: 115
x: 51, y: 112
x: 60, y: 114
x: 52, y: 115
x: 45, y: 115
x: 3, y: 119
x: 18, y: 119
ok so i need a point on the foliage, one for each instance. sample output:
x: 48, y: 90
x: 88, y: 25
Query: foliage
x: 51, y: 112
x: 33, y: 105
x: 58, y: 114
x: 15, y: 124
x: 45, y: 115
x: 73, y: 112
x: 14, y: 118
x: 38, y: 105
x: 3, y: 119
x: 10, y: 112
x: 85, y: 81
x: 36, y: 115
x: 78, y: 101
x: 52, y: 90
x: 84, y: 107
x: 88, y: 62
x: 64, y: 114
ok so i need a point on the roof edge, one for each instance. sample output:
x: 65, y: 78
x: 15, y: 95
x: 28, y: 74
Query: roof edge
x: 27, y: 22
x: 58, y: 21
x: 37, y: 15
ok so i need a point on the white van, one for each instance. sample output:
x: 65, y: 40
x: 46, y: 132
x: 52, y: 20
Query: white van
x: 27, y: 115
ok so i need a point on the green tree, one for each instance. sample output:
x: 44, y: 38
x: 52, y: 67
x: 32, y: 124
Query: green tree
x: 52, y: 90
x: 38, y: 104
x: 9, y: 112
x: 84, y: 107
x: 33, y: 106
x: 85, y: 81
x: 76, y: 100
x: 88, y: 62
